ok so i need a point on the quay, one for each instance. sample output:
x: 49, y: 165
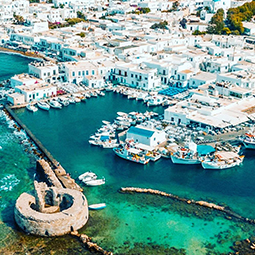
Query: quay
x: 229, y: 213
x: 59, y: 171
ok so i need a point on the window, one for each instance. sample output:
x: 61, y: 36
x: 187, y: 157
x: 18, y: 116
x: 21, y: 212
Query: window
x: 73, y: 73
x: 87, y: 72
x: 83, y: 73
x: 93, y: 72
x: 132, y: 75
x: 79, y: 73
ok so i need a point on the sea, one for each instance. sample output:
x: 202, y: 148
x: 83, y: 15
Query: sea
x: 131, y: 223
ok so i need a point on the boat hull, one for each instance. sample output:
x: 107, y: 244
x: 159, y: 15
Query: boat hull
x: 97, y: 206
x: 249, y: 145
x: 214, y: 166
x: 130, y: 158
x: 177, y: 160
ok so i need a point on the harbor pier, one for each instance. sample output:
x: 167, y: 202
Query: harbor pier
x: 59, y: 171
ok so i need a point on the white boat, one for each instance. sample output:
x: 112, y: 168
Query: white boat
x: 186, y: 155
x: 55, y: 104
x: 249, y: 139
x: 110, y: 144
x: 31, y: 108
x: 154, y: 101
x: 43, y: 105
x: 131, y: 154
x: 96, y: 182
x: 222, y: 160
x: 87, y: 176
x: 63, y: 100
x: 101, y: 93
x: 97, y: 206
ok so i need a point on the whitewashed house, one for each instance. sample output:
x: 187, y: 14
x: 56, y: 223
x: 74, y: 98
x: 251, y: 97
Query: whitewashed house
x: 36, y: 91
x: 47, y: 71
x: 148, y: 136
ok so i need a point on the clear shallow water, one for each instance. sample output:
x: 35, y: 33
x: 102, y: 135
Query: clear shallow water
x: 129, y: 222
x: 65, y: 134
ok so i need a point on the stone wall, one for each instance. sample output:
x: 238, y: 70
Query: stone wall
x: 43, y: 167
x: 54, y: 224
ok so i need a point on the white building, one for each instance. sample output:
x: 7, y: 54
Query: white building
x: 136, y: 76
x: 148, y: 136
x: 36, y: 91
x: 9, y: 7
x: 243, y: 79
x: 47, y: 71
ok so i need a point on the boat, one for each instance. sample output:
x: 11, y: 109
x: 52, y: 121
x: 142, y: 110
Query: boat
x: 63, y: 100
x: 249, y: 139
x: 43, y: 105
x: 186, y: 155
x: 149, y: 151
x: 110, y: 144
x: 87, y: 176
x: 222, y: 160
x: 31, y: 108
x: 55, y: 104
x: 154, y: 101
x: 131, y: 154
x: 97, y: 206
x: 95, y: 182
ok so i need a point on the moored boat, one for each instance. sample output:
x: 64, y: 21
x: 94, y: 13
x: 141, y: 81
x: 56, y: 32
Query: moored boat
x: 97, y: 206
x: 31, y: 108
x: 249, y: 139
x: 43, y: 105
x: 95, y: 182
x: 222, y: 160
x: 55, y: 104
x: 87, y: 176
x: 186, y: 155
x: 131, y: 154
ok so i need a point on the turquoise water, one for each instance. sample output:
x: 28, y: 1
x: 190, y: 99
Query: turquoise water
x: 65, y: 133
x: 130, y: 224
x: 11, y: 64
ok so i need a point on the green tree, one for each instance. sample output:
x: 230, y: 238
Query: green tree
x: 81, y: 34
x: 160, y: 25
x: 175, y: 6
x: 216, y: 23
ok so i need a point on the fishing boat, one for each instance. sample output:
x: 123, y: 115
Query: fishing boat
x: 155, y: 100
x: 95, y: 182
x: 43, y: 105
x: 55, y: 104
x: 131, y: 154
x: 222, y: 160
x: 88, y: 176
x: 249, y: 139
x: 31, y: 108
x: 186, y: 155
x: 97, y: 206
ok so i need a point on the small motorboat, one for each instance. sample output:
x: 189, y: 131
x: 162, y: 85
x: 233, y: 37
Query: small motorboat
x: 43, y: 105
x: 31, y: 108
x: 88, y: 176
x: 97, y: 206
x: 96, y: 182
x: 55, y: 104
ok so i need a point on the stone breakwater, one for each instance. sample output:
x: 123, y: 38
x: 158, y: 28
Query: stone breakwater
x: 229, y: 214
x: 93, y: 247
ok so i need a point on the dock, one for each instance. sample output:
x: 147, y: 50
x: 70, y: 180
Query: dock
x: 64, y: 178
